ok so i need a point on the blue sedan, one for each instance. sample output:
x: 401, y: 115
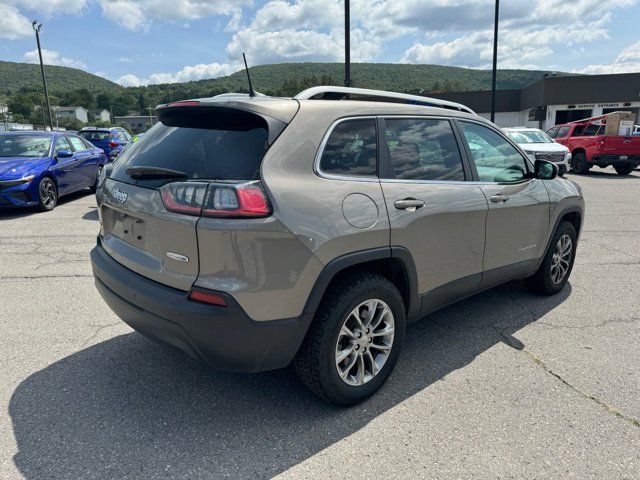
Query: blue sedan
x: 37, y: 168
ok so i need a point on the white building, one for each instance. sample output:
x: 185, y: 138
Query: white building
x: 102, y: 116
x: 77, y: 113
x: 556, y: 99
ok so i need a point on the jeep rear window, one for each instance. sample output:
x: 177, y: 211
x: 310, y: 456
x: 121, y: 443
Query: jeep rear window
x: 210, y: 145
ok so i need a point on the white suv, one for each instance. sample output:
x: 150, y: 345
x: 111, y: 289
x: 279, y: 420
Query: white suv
x: 539, y: 145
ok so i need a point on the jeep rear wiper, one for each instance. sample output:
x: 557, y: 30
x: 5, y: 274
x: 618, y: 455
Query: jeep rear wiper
x: 141, y: 173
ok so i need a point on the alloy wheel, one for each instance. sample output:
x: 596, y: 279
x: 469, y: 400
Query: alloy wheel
x: 48, y: 193
x: 364, y: 342
x: 561, y: 259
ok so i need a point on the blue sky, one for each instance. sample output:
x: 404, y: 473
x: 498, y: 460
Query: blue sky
x: 137, y: 42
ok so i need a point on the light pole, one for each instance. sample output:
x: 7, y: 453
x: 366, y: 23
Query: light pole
x: 36, y: 28
x: 495, y: 62
x: 347, y: 44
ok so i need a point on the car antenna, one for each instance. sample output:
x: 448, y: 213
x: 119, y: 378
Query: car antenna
x: 251, y: 92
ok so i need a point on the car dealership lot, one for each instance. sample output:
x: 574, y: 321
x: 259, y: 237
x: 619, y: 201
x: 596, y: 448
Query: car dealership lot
x: 502, y: 385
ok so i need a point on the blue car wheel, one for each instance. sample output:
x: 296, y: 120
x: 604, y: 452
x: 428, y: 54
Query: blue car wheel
x: 48, y: 194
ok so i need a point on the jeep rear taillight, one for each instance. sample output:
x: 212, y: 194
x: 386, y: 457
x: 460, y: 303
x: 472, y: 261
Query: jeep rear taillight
x: 224, y: 200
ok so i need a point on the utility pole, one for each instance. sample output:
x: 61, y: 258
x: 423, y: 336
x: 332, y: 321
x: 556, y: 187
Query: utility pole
x: 495, y: 62
x: 150, y: 116
x: 36, y: 28
x: 347, y: 44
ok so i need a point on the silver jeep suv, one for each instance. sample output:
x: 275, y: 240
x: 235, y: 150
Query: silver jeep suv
x: 251, y: 232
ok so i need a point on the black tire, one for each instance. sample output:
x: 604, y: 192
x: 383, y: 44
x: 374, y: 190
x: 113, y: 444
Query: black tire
x: 579, y: 163
x: 94, y: 187
x: 562, y: 170
x: 542, y: 282
x: 47, y: 194
x: 315, y: 362
x: 624, y: 169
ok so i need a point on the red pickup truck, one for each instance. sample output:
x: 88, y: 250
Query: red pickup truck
x: 589, y: 146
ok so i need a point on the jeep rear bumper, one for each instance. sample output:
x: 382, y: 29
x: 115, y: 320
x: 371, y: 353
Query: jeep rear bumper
x: 223, y: 337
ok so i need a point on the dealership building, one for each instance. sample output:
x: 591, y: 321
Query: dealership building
x: 556, y: 99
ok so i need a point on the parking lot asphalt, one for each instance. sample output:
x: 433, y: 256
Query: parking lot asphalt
x: 502, y: 385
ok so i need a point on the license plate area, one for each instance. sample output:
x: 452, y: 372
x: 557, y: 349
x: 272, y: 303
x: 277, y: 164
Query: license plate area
x: 128, y: 228
x: 624, y: 157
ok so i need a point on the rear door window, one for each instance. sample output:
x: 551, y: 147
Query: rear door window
x: 351, y: 149
x: 77, y: 144
x: 204, y: 144
x: 423, y: 149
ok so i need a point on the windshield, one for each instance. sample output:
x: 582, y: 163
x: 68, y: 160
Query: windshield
x: 529, y: 136
x: 229, y: 148
x: 93, y: 135
x: 24, y: 145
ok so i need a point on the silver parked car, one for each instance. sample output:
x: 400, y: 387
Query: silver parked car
x: 251, y: 232
x: 540, y: 146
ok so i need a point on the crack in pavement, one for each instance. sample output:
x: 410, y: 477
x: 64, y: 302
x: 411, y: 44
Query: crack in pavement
x: 519, y: 346
x: 608, y: 408
x: 37, y: 277
x: 598, y: 325
x: 98, y: 328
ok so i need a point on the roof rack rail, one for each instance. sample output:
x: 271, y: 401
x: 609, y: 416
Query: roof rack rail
x: 338, y: 93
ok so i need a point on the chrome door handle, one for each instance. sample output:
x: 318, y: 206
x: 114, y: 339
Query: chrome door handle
x: 499, y: 198
x: 408, y: 204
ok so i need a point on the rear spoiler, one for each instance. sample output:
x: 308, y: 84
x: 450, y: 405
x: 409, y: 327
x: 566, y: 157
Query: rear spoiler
x: 212, y: 115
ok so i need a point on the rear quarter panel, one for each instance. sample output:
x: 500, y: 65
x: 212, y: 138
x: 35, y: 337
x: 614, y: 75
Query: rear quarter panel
x: 311, y: 206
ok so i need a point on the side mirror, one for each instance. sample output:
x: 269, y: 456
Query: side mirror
x: 545, y: 170
x: 64, y: 154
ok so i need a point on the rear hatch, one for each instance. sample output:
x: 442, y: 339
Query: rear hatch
x: 616, y: 145
x: 100, y: 138
x: 198, y: 160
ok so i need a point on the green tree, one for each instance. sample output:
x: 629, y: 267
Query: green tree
x: 21, y: 104
x: 70, y: 123
x: 142, y: 102
x: 79, y: 97
x: 104, y: 100
x: 123, y: 103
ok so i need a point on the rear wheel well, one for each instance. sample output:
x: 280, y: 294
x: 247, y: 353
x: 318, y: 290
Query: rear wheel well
x: 390, y: 268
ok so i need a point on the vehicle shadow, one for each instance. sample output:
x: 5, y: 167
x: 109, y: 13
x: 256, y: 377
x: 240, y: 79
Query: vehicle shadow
x: 20, y: 212
x: 92, y: 214
x: 128, y: 408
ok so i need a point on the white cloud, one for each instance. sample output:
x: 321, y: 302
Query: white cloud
x: 12, y: 24
x: 530, y: 43
x: 136, y: 15
x: 129, y: 80
x: 628, y: 61
x: 188, y: 73
x: 300, y: 14
x: 51, y: 57
x: 126, y: 13
x: 299, y: 31
x: 49, y: 7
